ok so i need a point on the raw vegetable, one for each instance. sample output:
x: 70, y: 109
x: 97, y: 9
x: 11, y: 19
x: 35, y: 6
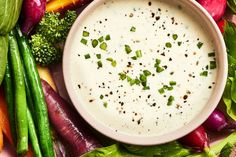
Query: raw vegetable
x: 40, y: 108
x: 196, y: 140
x: 216, y: 8
x: 218, y: 122
x: 62, y: 5
x: 68, y: 124
x: 45, y: 74
x: 226, y: 151
x: 173, y: 149
x: 8, y: 89
x: 229, y: 96
x: 32, y: 12
x: 9, y: 14
x: 51, y: 30
x: 221, y: 25
x: 3, y: 55
x: 232, y: 5
x: 19, y: 96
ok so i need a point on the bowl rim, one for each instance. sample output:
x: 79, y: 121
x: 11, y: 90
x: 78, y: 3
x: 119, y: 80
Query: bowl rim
x: 154, y: 140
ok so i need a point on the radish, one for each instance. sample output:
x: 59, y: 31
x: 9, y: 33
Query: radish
x: 218, y: 122
x: 196, y: 140
x: 32, y: 12
x: 221, y: 25
x: 69, y: 125
x: 216, y: 8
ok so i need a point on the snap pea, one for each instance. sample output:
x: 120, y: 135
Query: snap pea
x: 19, y: 96
x: 40, y: 107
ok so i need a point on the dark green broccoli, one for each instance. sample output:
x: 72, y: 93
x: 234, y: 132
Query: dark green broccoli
x: 51, y: 30
x: 43, y: 51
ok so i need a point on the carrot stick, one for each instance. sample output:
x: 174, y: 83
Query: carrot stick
x: 62, y: 5
x: 4, y: 118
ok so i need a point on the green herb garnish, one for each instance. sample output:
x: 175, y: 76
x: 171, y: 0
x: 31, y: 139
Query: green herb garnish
x: 212, y: 54
x: 147, y: 73
x: 134, y: 58
x: 146, y: 88
x: 143, y: 78
x: 170, y: 100
x: 99, y: 63
x: 133, y: 29
x: 168, y: 45
x: 101, y: 97
x: 199, y: 45
x: 128, y: 50
x: 175, y: 36
x: 172, y: 83
x: 94, y: 43
x: 108, y: 37
x: 161, y: 91
x: 213, y: 65
x: 159, y: 69
x: 204, y: 73
x: 84, y: 41
x: 87, y: 56
x: 103, y: 46
x: 138, y: 53
x: 123, y: 76
x: 101, y: 39
x: 85, y: 34
x: 179, y: 43
x: 99, y: 56
x: 105, y: 104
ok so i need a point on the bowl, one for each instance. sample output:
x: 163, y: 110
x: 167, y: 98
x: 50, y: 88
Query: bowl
x: 126, y: 125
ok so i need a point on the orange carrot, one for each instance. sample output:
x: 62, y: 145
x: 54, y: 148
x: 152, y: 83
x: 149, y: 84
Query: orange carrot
x: 30, y: 152
x: 62, y: 5
x: 1, y: 139
x: 4, y: 117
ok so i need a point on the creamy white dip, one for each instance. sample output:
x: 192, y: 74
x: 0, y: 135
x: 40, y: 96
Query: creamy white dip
x: 165, y: 41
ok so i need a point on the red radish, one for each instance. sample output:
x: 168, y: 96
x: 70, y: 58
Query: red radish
x: 216, y: 8
x: 221, y: 25
x: 69, y: 125
x: 218, y: 122
x: 196, y: 140
x: 32, y: 13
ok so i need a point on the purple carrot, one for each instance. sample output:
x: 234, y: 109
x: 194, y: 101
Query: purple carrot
x: 67, y: 122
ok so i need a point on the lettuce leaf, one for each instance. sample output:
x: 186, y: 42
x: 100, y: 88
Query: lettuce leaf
x: 226, y: 151
x: 232, y: 5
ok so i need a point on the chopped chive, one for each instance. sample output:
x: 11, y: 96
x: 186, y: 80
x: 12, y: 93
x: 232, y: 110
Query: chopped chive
x: 147, y: 73
x: 158, y: 61
x: 99, y: 56
x: 103, y: 46
x: 114, y: 63
x: 170, y: 100
x: 128, y: 50
x: 143, y: 78
x: 172, y: 83
x: 179, y: 43
x: 95, y: 43
x: 109, y: 59
x: 84, y: 41
x: 101, y: 97
x: 105, y: 104
x: 168, y: 45
x: 122, y: 76
x: 87, y: 56
x: 101, y: 39
x: 108, y: 37
x: 204, y: 73
x: 85, y: 34
x: 132, y: 82
x: 159, y: 69
x: 175, y: 36
x: 144, y: 84
x: 170, y: 88
x: 133, y: 29
x: 146, y: 88
x: 99, y: 64
x: 161, y: 91
x: 129, y: 78
x: 199, y: 45
x: 165, y: 87
x: 134, y: 58
x: 138, y: 53
x: 212, y: 54
x: 137, y: 81
x: 213, y: 65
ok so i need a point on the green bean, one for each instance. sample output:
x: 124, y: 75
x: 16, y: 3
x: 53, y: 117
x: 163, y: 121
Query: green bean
x: 19, y: 97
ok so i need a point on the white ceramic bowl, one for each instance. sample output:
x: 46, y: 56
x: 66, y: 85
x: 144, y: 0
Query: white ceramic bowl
x: 209, y: 25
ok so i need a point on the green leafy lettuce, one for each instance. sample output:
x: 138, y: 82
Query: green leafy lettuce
x: 232, y: 5
x: 229, y: 96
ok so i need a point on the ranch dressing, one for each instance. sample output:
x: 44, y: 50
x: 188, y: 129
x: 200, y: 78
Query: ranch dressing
x: 142, y: 67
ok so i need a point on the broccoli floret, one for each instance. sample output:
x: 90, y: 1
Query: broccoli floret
x: 56, y: 28
x: 43, y: 51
